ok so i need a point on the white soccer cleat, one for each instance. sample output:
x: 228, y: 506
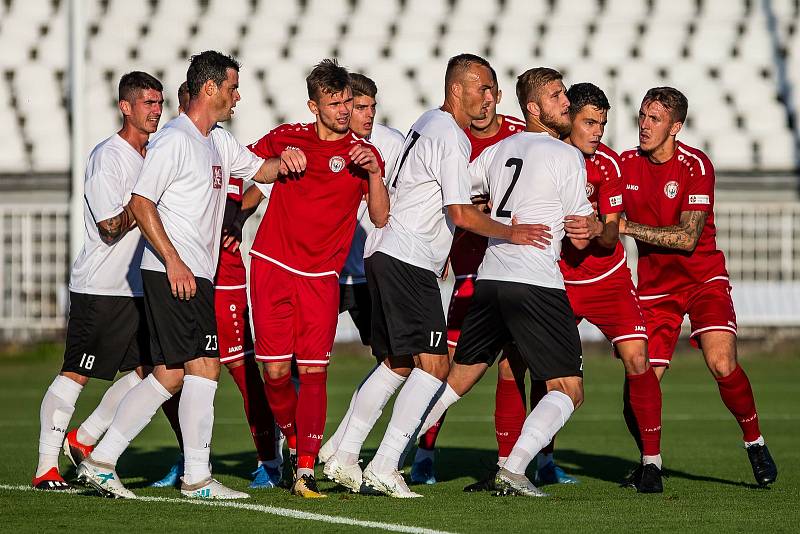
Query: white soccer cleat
x: 104, y: 479
x: 326, y: 452
x: 349, y: 476
x: 211, y: 488
x: 391, y: 484
x: 508, y: 483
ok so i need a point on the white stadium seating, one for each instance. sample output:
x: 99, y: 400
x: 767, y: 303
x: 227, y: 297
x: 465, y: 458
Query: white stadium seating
x: 724, y: 54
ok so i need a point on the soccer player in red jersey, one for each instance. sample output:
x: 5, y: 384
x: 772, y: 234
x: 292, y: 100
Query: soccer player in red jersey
x: 669, y: 201
x: 466, y: 255
x: 299, y: 251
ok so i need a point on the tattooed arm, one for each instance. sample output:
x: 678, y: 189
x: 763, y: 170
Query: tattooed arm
x: 111, y: 230
x: 683, y: 236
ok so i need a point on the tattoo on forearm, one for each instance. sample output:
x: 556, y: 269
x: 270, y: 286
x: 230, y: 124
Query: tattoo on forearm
x: 683, y: 236
x: 111, y: 230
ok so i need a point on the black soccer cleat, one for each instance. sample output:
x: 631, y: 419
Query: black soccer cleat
x: 289, y: 472
x: 650, y: 480
x: 486, y: 484
x: 764, y: 468
x: 632, y: 479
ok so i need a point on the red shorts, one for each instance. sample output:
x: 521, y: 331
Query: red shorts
x: 233, y: 323
x: 459, y: 304
x: 709, y: 306
x: 611, y: 305
x: 293, y: 315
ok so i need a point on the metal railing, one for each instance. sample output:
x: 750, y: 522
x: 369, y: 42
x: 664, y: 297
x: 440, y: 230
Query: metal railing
x: 761, y: 242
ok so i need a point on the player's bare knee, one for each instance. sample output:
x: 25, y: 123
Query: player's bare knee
x: 721, y: 364
x: 204, y: 368
x: 233, y: 365
x: 571, y: 386
x: 276, y: 370
x: 75, y: 377
x: 308, y: 370
x: 634, y: 356
x: 435, y: 365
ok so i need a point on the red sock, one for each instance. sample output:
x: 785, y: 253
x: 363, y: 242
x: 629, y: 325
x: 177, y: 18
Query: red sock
x: 538, y: 391
x: 312, y: 404
x: 644, y: 394
x: 428, y: 440
x: 630, y: 418
x: 170, y: 408
x: 256, y: 408
x: 283, y: 401
x: 509, y: 415
x: 737, y: 395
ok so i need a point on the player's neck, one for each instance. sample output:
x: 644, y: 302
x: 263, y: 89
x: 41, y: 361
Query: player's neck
x: 533, y: 124
x: 201, y: 116
x: 326, y: 134
x: 568, y: 140
x: 462, y: 119
x: 490, y: 130
x: 134, y: 137
x: 664, y: 151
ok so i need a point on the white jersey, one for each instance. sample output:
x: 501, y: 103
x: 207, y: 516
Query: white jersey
x: 102, y: 269
x: 389, y: 143
x: 186, y: 174
x: 538, y: 180
x: 431, y: 175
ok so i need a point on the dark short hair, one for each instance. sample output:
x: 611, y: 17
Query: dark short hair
x: 530, y: 84
x: 132, y: 83
x: 672, y: 99
x: 183, y: 94
x: 458, y: 65
x: 362, y: 86
x: 327, y: 77
x: 208, y: 65
x: 586, y: 94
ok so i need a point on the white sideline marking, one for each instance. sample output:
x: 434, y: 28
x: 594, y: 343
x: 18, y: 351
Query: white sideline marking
x: 284, y: 512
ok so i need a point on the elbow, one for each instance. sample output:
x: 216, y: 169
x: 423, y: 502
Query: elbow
x: 580, y: 244
x: 381, y: 220
x: 457, y: 216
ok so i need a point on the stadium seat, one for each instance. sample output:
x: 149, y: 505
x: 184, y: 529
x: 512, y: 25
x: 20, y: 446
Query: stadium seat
x: 777, y: 151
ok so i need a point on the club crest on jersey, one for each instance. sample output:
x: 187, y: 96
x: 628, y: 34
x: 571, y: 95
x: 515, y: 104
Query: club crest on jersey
x: 589, y: 189
x: 217, y: 172
x: 336, y: 163
x: 671, y: 189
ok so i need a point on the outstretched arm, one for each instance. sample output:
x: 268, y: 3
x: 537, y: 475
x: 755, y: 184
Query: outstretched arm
x: 683, y: 236
x: 470, y: 218
x: 113, y: 229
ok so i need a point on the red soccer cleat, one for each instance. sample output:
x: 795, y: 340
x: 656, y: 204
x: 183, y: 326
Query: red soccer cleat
x: 50, y: 481
x: 74, y: 449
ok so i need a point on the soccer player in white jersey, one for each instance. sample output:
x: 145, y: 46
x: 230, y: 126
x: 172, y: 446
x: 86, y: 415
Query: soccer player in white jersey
x: 519, y: 293
x: 429, y: 196
x: 178, y: 202
x: 107, y: 330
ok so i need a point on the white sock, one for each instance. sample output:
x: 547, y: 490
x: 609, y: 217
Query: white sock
x: 93, y: 428
x: 370, y: 400
x: 414, y: 400
x: 304, y: 471
x: 540, y: 426
x: 543, y: 459
x: 501, y: 461
x: 448, y: 398
x: 57, y: 407
x: 134, y: 412
x: 655, y: 460
x: 196, y: 415
x: 759, y: 441
x: 336, y: 438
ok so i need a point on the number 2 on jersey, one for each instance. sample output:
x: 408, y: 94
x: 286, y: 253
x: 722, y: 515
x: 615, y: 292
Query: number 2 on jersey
x: 414, y: 137
x: 501, y: 208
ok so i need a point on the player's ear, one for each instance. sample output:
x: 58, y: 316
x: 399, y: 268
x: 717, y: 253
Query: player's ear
x: 675, y: 128
x: 210, y: 88
x: 313, y: 107
x: 499, y: 96
x: 533, y: 109
x: 456, y: 89
x: 125, y: 107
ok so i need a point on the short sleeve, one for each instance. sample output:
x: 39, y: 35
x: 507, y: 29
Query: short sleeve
x: 572, y: 188
x: 610, y: 191
x: 698, y: 194
x: 244, y: 163
x: 268, y: 146
x: 454, y: 175
x: 161, y: 167
x: 266, y: 189
x: 104, y: 191
x: 479, y: 174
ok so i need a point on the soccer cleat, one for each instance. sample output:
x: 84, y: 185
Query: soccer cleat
x: 50, y: 481
x: 508, y: 483
x: 632, y: 479
x: 326, y: 452
x: 306, y: 487
x: 104, y: 479
x: 289, y: 472
x: 550, y: 473
x: 349, y: 476
x: 764, y: 468
x: 74, y: 449
x: 422, y: 472
x: 487, y: 484
x: 391, y: 484
x: 266, y: 477
x: 650, y: 480
x: 173, y: 477
x: 211, y: 488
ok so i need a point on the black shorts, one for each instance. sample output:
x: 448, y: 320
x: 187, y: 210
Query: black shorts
x: 355, y: 299
x: 407, y: 315
x: 538, y: 319
x: 105, y: 334
x: 181, y: 330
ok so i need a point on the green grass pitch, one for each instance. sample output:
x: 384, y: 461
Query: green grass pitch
x: 709, y: 486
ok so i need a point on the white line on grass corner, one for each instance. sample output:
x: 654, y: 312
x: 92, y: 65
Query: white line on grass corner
x: 272, y: 510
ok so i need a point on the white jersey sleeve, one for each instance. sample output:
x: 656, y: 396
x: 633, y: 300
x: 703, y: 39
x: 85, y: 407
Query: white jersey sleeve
x: 479, y: 172
x: 162, y: 165
x: 104, y: 188
x: 454, y: 174
x: 243, y: 162
x: 573, y: 185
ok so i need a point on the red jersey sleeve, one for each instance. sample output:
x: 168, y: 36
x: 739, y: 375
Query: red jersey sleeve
x: 699, y: 193
x: 268, y: 146
x: 609, y: 195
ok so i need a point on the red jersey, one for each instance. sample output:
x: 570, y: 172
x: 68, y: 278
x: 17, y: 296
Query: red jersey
x: 309, y: 224
x: 468, y: 249
x: 230, y: 268
x: 655, y: 195
x: 604, y: 186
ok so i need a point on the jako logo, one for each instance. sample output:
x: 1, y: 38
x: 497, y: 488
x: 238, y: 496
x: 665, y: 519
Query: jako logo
x: 632, y: 187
